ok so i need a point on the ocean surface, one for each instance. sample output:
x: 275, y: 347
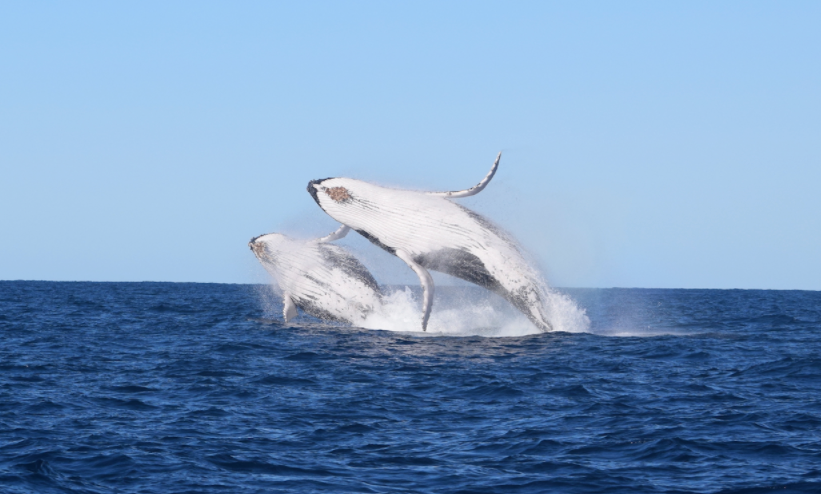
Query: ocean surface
x: 198, y: 388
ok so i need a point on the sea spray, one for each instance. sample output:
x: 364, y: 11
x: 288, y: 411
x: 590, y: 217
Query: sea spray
x: 564, y: 313
x: 458, y: 311
x: 464, y: 310
x: 465, y: 316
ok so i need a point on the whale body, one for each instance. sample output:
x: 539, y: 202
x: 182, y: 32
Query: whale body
x: 323, y: 280
x: 430, y: 232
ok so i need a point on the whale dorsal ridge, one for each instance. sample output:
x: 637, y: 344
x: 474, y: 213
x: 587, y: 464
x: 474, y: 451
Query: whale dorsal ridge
x: 455, y: 194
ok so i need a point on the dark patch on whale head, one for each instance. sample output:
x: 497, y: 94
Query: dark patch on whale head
x: 261, y: 249
x: 251, y: 243
x: 312, y: 190
x: 338, y: 194
x: 256, y: 248
x: 262, y: 253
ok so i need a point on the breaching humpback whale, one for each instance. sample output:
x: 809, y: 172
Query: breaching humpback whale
x: 323, y: 280
x: 428, y: 231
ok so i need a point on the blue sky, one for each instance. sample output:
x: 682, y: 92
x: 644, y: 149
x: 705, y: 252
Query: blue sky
x: 646, y: 144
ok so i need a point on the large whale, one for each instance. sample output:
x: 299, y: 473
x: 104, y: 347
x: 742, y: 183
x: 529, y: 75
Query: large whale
x: 430, y: 232
x: 323, y: 280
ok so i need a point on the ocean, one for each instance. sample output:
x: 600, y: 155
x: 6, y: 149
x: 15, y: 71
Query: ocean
x: 199, y: 388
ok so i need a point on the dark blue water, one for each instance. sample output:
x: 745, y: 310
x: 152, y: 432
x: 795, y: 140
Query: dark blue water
x: 171, y: 388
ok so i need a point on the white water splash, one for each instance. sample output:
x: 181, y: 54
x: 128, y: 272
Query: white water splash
x: 469, y: 315
x: 564, y: 314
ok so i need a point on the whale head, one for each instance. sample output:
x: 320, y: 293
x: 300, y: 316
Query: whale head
x: 266, y: 247
x: 341, y: 198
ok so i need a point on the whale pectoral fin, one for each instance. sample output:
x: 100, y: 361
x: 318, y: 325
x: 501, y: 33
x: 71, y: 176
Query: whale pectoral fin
x: 289, y: 308
x: 427, y: 285
x: 336, y: 235
x: 455, y: 194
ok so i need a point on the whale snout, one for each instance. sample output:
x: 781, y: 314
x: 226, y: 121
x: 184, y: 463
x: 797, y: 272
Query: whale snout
x: 253, y: 245
x: 315, y: 186
x: 337, y: 193
x: 312, y: 188
x: 257, y: 245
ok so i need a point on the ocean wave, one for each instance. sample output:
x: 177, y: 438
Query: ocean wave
x: 200, y: 388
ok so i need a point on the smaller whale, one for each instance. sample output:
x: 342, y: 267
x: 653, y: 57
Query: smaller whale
x: 323, y: 280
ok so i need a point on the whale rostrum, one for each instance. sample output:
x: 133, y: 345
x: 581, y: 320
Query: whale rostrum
x: 323, y: 280
x: 430, y: 232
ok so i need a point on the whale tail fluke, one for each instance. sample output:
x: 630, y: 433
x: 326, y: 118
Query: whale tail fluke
x: 456, y: 194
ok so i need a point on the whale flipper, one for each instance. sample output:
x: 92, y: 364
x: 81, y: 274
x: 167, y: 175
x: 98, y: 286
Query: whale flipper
x: 289, y: 308
x: 427, y: 285
x: 335, y: 235
x: 455, y: 194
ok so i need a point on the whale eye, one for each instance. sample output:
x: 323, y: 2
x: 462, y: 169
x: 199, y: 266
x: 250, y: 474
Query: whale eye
x: 338, y: 194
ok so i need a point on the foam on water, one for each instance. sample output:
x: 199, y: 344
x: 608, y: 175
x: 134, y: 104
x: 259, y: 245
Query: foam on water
x: 625, y: 332
x: 475, y: 312
x: 472, y: 316
x: 401, y: 312
x: 564, y: 313
x: 478, y: 312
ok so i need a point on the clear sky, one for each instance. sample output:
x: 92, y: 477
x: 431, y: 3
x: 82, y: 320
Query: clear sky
x: 646, y: 144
